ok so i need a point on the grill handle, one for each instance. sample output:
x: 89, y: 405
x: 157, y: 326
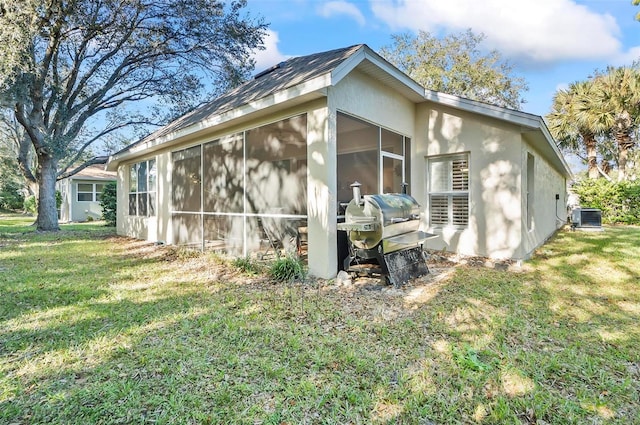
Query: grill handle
x: 395, y: 220
x: 399, y: 220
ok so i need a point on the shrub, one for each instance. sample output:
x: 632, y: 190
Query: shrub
x: 108, y: 202
x: 287, y: 269
x: 30, y: 204
x: 11, y: 197
x: 619, y: 201
x: 247, y: 265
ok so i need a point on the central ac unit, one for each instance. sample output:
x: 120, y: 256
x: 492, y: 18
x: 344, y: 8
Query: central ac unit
x: 586, y: 218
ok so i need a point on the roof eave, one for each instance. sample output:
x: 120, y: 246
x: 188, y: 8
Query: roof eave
x: 524, y: 120
x: 308, y: 90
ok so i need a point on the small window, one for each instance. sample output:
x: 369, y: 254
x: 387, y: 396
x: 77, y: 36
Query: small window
x: 85, y: 192
x: 448, y: 186
x: 531, y: 166
x: 142, y: 188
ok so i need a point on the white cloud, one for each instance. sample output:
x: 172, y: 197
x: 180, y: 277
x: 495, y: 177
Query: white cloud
x: 340, y: 7
x: 628, y: 57
x: 538, y: 31
x: 270, y: 55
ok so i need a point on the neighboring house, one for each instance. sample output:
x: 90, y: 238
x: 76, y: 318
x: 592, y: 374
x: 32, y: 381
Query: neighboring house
x: 278, y: 154
x: 81, y: 193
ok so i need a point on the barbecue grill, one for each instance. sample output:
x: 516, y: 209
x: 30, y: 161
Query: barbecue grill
x: 383, y: 236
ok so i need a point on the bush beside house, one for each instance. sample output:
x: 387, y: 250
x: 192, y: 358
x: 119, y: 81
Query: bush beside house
x: 108, y: 203
x: 619, y: 201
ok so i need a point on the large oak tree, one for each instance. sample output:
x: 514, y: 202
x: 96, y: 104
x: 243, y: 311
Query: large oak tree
x: 456, y: 64
x: 71, y: 71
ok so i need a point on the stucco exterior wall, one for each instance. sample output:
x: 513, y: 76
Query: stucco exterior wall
x: 498, y: 153
x: 82, y: 210
x: 63, y: 186
x: 495, y: 179
x: 363, y: 97
x: 549, y: 213
x: 126, y: 225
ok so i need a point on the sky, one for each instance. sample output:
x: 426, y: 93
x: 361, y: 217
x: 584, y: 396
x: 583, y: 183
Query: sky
x: 550, y: 43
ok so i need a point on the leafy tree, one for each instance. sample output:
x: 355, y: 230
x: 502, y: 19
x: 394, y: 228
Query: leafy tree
x: 575, y: 125
x: 601, y: 115
x: 71, y: 71
x: 456, y: 65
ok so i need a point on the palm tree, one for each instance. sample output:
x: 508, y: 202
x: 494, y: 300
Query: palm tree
x: 574, y: 124
x: 618, y: 108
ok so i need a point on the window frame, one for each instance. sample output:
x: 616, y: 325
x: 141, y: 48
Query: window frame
x: 94, y: 192
x: 369, y: 149
x: 143, y: 201
x: 450, y: 194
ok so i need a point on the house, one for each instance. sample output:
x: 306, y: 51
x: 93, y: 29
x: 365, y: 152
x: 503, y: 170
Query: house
x: 277, y: 154
x: 81, y: 193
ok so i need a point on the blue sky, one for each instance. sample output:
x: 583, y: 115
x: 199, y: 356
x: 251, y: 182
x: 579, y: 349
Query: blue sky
x: 551, y: 43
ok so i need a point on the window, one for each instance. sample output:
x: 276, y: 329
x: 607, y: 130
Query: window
x: 142, y: 188
x: 530, y: 190
x: 448, y: 187
x: 376, y: 157
x: 90, y: 192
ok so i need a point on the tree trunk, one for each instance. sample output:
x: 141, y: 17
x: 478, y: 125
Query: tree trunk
x: 47, y: 209
x: 592, y: 161
x: 625, y: 142
x: 623, y: 154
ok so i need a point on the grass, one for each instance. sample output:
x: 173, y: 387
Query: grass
x: 95, y: 328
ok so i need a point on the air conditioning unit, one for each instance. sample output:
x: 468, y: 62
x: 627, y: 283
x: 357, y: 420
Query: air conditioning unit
x: 586, y: 218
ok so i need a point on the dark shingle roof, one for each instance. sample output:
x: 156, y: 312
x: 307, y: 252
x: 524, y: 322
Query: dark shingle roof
x: 280, y: 77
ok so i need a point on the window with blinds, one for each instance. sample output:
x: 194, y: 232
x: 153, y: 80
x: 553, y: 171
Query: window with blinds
x: 448, y: 185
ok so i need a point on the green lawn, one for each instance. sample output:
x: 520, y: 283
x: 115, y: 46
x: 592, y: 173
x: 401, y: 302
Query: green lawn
x: 100, y: 329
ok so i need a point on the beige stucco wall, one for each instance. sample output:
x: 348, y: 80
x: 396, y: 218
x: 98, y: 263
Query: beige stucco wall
x: 135, y: 227
x: 495, y: 175
x: 357, y: 95
x: 549, y: 214
x: 361, y: 96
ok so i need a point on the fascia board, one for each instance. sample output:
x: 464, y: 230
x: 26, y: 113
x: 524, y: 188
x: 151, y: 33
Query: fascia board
x: 505, y: 114
x: 316, y: 85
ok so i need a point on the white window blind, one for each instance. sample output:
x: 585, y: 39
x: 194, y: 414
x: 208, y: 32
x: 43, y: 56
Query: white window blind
x: 448, y: 187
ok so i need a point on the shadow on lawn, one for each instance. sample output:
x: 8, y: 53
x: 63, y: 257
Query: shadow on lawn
x: 520, y: 346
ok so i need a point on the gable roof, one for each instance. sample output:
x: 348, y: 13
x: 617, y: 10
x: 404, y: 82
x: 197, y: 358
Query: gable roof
x: 293, y: 81
x: 279, y: 77
x: 304, y: 78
